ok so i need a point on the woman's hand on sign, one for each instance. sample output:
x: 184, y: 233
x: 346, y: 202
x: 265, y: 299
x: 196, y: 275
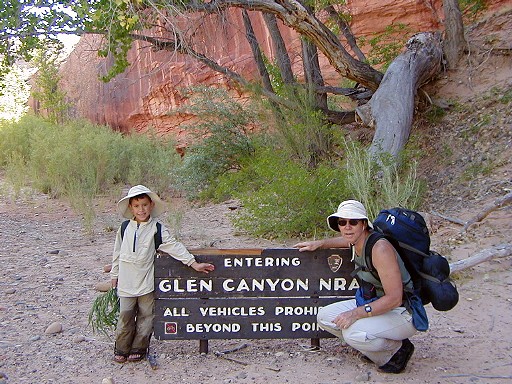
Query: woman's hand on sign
x: 308, y: 245
x: 313, y: 245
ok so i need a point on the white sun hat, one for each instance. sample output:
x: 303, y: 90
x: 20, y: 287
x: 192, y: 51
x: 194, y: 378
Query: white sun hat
x: 124, y: 210
x: 349, y: 209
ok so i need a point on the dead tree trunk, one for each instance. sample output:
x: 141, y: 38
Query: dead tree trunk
x: 391, y: 108
x: 454, y: 41
x: 501, y: 250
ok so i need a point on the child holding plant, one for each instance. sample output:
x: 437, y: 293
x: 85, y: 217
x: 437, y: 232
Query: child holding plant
x: 133, y: 270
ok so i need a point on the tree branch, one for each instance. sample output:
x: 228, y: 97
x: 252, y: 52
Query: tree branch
x: 296, y: 16
x: 498, y: 203
x: 501, y: 250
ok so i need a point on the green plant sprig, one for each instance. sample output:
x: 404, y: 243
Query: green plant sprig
x: 104, y: 312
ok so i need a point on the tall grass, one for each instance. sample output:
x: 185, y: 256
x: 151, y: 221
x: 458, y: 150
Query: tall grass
x: 389, y: 184
x: 280, y: 194
x: 80, y: 160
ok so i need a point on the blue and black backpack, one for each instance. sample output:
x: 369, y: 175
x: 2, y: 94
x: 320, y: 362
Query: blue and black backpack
x: 407, y: 231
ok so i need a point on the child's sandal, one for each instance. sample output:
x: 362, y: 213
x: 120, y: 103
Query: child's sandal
x: 120, y: 359
x: 136, y: 357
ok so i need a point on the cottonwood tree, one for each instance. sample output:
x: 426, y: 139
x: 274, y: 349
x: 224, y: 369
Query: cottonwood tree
x: 391, y: 96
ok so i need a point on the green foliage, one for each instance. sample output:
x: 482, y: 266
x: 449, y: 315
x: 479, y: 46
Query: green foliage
x: 302, y: 132
x: 477, y: 168
x: 282, y: 198
x: 387, y: 45
x: 13, y: 102
x: 104, y: 313
x: 434, y: 114
x: 23, y: 22
x: 381, y: 185
x: 306, y: 137
x: 503, y: 95
x: 146, y: 159
x: 222, y: 138
x: 46, y: 89
x: 80, y: 160
x: 276, y: 79
x: 446, y: 152
x: 118, y: 21
x: 472, y: 8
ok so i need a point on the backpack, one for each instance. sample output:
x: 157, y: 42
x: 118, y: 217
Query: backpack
x: 157, y: 237
x: 407, y: 231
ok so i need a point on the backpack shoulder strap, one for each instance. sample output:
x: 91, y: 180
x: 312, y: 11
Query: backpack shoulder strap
x: 370, y: 242
x: 124, y: 224
x: 367, y: 255
x: 158, y: 235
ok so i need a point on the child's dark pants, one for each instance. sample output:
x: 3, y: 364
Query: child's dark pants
x: 135, y: 324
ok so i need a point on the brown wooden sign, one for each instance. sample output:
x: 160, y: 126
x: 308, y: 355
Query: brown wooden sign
x: 252, y: 294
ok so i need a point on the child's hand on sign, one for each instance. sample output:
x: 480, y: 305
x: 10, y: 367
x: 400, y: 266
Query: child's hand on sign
x: 202, y: 267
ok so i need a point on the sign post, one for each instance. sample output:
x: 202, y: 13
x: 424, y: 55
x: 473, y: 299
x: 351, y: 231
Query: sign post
x: 252, y: 294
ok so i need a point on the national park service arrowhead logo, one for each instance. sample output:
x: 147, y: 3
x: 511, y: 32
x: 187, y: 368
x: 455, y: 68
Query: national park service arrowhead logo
x: 334, y: 262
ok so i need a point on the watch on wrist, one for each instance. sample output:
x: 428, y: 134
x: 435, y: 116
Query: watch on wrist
x: 368, y: 310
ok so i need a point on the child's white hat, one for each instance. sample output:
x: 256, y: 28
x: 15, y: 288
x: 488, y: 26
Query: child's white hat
x: 122, y: 205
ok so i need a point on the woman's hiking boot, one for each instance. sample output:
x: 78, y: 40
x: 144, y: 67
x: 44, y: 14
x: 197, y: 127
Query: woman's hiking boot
x: 399, y: 360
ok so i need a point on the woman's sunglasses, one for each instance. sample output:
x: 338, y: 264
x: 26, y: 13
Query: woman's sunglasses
x: 352, y: 222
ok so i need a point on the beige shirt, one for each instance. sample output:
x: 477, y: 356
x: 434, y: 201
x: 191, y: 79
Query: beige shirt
x: 134, y: 255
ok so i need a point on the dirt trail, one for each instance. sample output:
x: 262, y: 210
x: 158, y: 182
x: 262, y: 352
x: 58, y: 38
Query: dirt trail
x: 49, y: 268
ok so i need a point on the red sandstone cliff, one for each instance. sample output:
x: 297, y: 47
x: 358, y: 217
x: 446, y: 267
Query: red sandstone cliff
x: 141, y: 97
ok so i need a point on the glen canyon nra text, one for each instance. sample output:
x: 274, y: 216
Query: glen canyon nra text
x: 252, y: 294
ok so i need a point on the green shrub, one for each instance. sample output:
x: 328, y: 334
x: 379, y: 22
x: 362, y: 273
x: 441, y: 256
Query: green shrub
x: 385, y: 184
x: 288, y: 199
x: 15, y: 138
x: 79, y: 160
x: 472, y: 8
x: 222, y: 140
x: 281, y: 197
x: 385, y: 46
x: 148, y: 160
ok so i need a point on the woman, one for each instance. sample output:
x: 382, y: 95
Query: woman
x: 377, y: 325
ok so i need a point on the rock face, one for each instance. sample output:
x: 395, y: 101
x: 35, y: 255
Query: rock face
x: 141, y: 97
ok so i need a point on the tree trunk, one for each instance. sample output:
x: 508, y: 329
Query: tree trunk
x: 347, y: 32
x: 391, y: 108
x: 313, y: 75
x: 500, y: 250
x: 262, y: 69
x: 281, y: 54
x: 256, y: 51
x: 455, y: 42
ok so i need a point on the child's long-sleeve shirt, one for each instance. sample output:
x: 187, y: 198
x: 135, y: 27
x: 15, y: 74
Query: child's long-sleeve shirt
x: 134, y: 255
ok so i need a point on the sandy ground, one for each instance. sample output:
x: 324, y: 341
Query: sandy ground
x: 49, y: 269
x: 39, y: 286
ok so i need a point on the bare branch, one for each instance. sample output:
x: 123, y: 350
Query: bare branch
x: 498, y: 203
x: 448, y: 218
x: 501, y: 250
x: 296, y: 16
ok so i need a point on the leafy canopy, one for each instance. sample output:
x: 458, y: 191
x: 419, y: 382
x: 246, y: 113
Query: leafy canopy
x: 26, y: 25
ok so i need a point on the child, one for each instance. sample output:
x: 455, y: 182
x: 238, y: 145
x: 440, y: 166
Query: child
x: 133, y: 270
